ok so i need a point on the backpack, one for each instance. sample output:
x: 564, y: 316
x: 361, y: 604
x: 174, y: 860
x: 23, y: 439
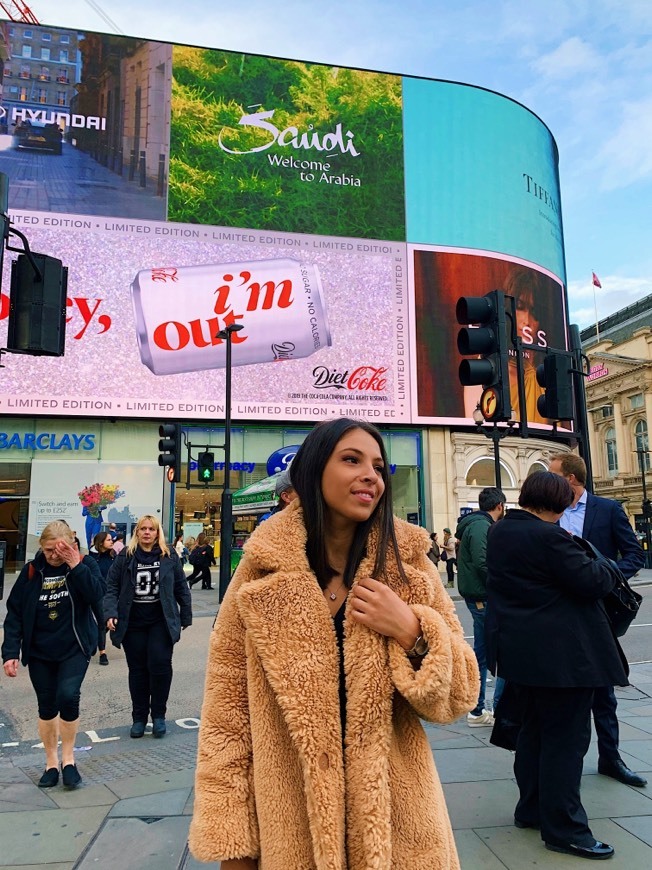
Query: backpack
x: 195, y: 556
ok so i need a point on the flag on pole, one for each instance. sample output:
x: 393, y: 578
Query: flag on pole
x: 596, y: 281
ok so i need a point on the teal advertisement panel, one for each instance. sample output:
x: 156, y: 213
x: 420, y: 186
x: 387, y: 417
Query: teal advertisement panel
x: 481, y: 172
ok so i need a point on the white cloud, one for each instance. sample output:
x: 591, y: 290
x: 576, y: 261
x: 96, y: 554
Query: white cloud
x: 625, y: 156
x: 573, y: 57
x: 616, y: 293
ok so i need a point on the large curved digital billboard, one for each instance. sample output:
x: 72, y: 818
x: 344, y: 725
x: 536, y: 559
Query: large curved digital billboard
x: 336, y: 214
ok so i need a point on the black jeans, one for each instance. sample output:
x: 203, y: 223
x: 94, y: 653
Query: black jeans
x: 553, y: 740
x: 58, y: 686
x: 450, y: 562
x: 149, y: 659
x: 203, y: 572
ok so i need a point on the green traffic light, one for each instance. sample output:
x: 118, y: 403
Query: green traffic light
x: 206, y: 474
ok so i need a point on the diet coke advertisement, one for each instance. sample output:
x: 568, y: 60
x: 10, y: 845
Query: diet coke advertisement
x: 180, y: 311
x: 324, y: 324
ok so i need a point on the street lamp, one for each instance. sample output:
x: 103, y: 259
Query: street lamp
x: 496, y: 435
x: 226, y: 514
x: 646, y: 507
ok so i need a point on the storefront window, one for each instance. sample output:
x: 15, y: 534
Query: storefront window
x: 14, y: 504
x: 198, y: 508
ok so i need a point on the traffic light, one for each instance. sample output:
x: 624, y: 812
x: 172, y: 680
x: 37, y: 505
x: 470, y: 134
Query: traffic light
x: 488, y: 339
x: 555, y: 376
x: 206, y: 467
x: 170, y: 450
x: 647, y: 507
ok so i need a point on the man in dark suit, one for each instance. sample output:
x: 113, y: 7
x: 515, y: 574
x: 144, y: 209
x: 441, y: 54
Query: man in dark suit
x: 603, y: 522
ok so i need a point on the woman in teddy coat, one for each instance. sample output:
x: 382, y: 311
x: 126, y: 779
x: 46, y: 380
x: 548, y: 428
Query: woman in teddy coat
x: 334, y: 637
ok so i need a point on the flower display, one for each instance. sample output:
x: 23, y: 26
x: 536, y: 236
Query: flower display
x: 97, y: 496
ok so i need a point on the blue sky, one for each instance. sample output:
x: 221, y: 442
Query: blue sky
x: 583, y: 66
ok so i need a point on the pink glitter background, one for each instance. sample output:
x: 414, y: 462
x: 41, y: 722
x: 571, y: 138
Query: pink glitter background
x: 102, y: 371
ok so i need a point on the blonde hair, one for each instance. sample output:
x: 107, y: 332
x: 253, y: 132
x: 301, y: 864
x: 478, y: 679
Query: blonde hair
x: 133, y: 543
x: 55, y: 530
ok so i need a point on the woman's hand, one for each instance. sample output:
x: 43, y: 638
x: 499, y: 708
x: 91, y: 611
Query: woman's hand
x: 111, y: 624
x: 68, y: 553
x: 240, y: 864
x: 378, y: 607
x: 11, y: 667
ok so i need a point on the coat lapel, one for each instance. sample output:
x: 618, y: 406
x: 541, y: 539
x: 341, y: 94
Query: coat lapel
x: 289, y: 624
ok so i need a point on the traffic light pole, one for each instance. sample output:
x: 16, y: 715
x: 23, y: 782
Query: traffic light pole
x: 645, y: 508
x: 226, y: 513
x: 496, y: 435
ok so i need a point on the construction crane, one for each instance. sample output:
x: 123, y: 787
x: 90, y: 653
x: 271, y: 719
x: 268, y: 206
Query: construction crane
x: 15, y: 10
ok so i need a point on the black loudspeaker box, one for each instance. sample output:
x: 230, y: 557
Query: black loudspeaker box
x: 37, y: 308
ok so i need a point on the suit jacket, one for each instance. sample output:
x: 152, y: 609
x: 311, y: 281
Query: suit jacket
x: 274, y: 778
x: 606, y: 526
x: 545, y: 624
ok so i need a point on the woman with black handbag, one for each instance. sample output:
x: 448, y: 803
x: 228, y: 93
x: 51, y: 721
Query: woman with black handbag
x: 549, y: 636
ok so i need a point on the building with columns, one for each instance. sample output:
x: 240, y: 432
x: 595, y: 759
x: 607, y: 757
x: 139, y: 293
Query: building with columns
x: 619, y: 403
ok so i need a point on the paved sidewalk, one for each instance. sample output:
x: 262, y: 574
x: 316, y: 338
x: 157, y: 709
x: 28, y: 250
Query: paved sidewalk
x: 134, y: 808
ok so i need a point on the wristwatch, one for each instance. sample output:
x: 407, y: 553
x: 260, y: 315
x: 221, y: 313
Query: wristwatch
x: 419, y: 648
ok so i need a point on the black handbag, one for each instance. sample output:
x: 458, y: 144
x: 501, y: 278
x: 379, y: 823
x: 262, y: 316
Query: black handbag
x: 508, y: 716
x: 622, y: 603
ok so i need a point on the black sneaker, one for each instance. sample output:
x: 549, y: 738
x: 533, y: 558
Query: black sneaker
x: 70, y: 776
x: 158, y: 727
x: 104, y: 659
x: 137, y: 729
x: 50, y: 778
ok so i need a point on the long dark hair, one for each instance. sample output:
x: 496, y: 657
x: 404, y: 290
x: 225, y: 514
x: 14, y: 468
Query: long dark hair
x: 306, y: 473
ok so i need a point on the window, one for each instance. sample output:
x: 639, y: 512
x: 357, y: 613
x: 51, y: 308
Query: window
x: 536, y: 466
x: 636, y: 401
x: 483, y: 473
x: 607, y: 410
x: 612, y: 453
x: 45, y: 54
x: 642, y: 443
x: 23, y: 95
x: 63, y: 55
x: 44, y: 75
x: 62, y: 76
x: 7, y: 71
x: 24, y: 71
x: 27, y: 51
x: 27, y: 34
x: 64, y: 39
x: 61, y: 98
x: 42, y: 95
x: 46, y: 37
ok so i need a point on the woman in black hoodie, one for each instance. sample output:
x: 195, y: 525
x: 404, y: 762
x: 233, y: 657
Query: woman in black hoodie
x: 103, y: 554
x: 146, y: 605
x: 50, y: 625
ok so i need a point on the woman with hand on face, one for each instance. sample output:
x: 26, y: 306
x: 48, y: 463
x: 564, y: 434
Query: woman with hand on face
x: 50, y: 623
x: 146, y: 606
x: 334, y: 637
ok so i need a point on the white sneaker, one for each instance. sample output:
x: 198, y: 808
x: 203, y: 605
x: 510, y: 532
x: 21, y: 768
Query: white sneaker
x: 485, y: 718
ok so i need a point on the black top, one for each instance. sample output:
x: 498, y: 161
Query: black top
x: 147, y: 594
x: 545, y: 623
x: 54, y: 638
x: 338, y: 624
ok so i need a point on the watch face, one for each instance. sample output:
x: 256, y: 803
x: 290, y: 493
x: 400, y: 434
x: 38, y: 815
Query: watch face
x: 489, y: 403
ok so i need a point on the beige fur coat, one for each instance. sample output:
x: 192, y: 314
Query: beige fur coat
x: 273, y: 780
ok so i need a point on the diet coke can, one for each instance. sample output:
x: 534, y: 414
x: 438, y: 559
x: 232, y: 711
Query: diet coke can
x: 179, y: 312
